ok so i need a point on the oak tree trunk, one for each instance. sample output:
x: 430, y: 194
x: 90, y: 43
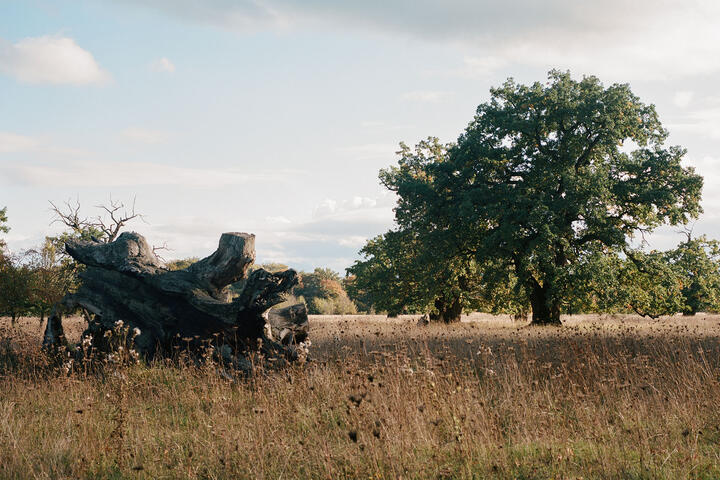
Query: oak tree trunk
x: 545, y: 310
x: 447, y: 312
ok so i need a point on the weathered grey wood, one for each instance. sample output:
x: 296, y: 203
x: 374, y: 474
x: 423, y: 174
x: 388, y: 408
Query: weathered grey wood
x: 229, y: 263
x: 289, y: 324
x: 124, y: 280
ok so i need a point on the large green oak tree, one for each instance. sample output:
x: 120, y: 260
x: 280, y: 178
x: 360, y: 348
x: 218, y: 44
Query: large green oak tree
x: 544, y: 176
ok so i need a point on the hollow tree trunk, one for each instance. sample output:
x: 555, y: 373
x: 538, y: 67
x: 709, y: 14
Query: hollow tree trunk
x: 290, y: 324
x: 545, y: 310
x: 125, y: 281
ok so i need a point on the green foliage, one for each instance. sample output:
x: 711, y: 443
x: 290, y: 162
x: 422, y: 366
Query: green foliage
x: 324, y: 293
x: 697, y: 260
x: 32, y: 282
x: 422, y: 266
x: 645, y: 283
x: 15, y: 287
x: 650, y: 285
x: 386, y: 279
x: 403, y: 272
x: 685, y: 279
x: 51, y: 277
x: 543, y: 177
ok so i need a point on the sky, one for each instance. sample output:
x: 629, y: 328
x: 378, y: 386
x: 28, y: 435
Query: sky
x: 274, y: 116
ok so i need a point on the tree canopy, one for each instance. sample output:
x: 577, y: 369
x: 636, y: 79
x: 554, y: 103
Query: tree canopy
x: 544, y: 177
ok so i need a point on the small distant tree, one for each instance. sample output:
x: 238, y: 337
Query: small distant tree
x: 324, y: 293
x: 421, y: 266
x: 14, y: 279
x: 15, y: 287
x: 698, y: 262
x: 399, y: 273
x: 51, y: 278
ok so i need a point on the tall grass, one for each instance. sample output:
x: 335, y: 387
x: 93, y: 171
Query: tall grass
x: 598, y: 398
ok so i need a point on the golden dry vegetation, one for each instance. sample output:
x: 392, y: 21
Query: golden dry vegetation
x: 601, y: 397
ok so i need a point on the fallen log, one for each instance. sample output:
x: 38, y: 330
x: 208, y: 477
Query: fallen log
x: 125, y: 281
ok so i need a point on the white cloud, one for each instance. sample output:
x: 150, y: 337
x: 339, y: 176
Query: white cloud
x: 704, y: 122
x: 658, y: 50
x: 614, y: 38
x: 361, y: 202
x: 132, y: 174
x: 277, y: 220
x: 354, y: 241
x: 481, y: 67
x: 15, y: 143
x: 12, y: 142
x: 330, y: 240
x: 145, y: 135
x: 372, y: 124
x: 333, y: 235
x: 709, y: 168
x: 329, y: 207
x: 163, y: 65
x: 683, y: 98
x: 50, y: 60
x: 380, y: 125
x: 429, y: 96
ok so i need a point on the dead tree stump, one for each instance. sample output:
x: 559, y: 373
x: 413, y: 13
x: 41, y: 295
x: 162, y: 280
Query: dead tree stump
x: 125, y: 281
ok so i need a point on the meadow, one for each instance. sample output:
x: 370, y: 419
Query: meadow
x: 600, y: 397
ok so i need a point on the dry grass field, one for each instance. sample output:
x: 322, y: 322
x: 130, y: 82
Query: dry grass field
x: 601, y: 397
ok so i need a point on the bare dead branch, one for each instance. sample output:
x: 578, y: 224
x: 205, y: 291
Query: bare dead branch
x: 161, y: 248
x: 119, y: 215
x: 687, y: 231
x: 116, y: 216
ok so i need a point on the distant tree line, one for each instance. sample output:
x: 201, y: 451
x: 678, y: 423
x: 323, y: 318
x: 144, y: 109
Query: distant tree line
x: 685, y: 279
x: 322, y: 290
x: 396, y: 278
x: 32, y: 281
